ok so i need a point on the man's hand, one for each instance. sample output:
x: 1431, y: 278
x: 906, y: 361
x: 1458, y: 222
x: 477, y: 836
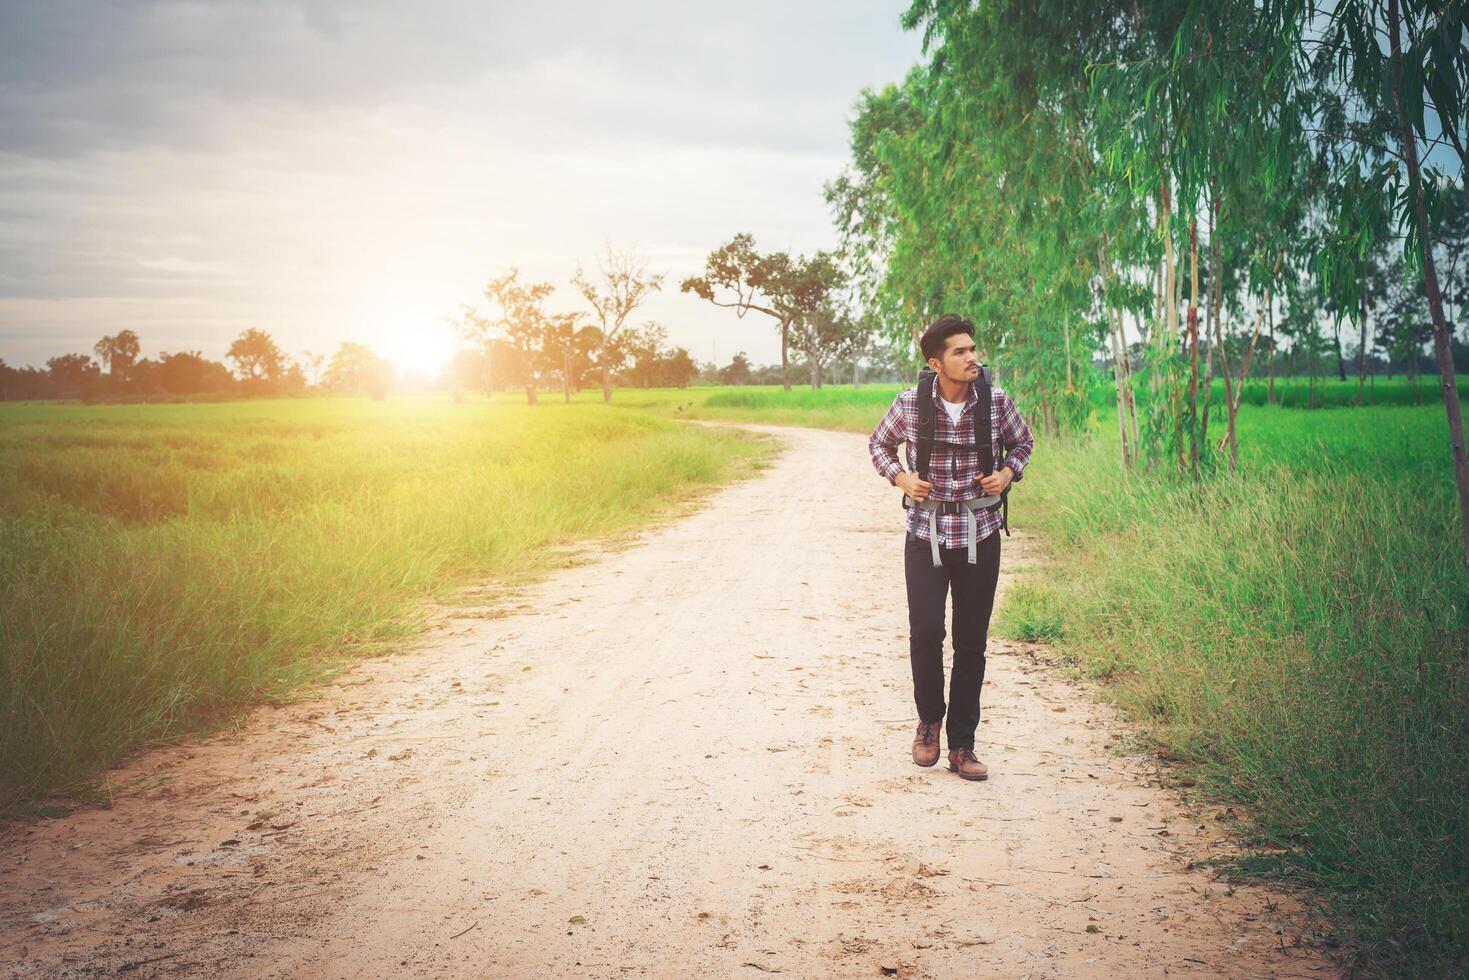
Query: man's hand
x: 995, y: 484
x: 912, y: 486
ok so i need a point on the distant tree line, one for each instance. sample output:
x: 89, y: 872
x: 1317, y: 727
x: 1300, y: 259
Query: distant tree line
x: 115, y: 371
x: 515, y: 342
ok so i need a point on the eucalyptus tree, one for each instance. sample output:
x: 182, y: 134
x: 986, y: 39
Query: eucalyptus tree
x: 1400, y: 72
x: 1252, y: 148
x: 978, y: 193
x: 861, y: 196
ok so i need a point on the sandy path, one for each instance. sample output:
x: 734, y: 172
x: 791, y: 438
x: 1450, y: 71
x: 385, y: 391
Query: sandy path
x: 688, y: 758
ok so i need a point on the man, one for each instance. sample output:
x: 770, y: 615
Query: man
x: 959, y: 501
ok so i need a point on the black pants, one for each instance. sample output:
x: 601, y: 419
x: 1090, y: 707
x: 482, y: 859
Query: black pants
x: 974, y: 598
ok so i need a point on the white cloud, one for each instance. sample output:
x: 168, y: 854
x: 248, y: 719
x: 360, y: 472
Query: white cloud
x: 344, y: 171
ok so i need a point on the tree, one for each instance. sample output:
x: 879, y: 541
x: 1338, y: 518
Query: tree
x: 468, y: 369
x: 483, y: 332
x: 737, y: 371
x: 623, y: 285
x: 356, y: 368
x: 524, y: 322
x: 1383, y: 109
x: 312, y: 364
x: 190, y: 373
x: 72, y: 375
x: 862, y: 343
x: 647, y: 346
x: 861, y: 197
x: 258, y: 360
x: 565, y: 345
x: 775, y: 285
x: 825, y: 335
x: 118, y: 352
x: 678, y: 368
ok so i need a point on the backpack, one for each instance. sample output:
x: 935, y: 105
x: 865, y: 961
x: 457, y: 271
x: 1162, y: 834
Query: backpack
x: 982, y: 437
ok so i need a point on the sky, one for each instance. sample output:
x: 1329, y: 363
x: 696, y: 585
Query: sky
x: 330, y: 171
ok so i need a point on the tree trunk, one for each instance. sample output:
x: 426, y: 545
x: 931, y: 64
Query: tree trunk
x: 1231, y: 406
x: 530, y: 395
x: 606, y: 378
x: 1130, y: 390
x: 489, y: 374
x: 856, y: 372
x: 1341, y: 364
x: 812, y: 370
x: 1155, y: 325
x: 1169, y: 338
x: 1441, y: 337
x: 1119, y: 381
x: 566, y: 376
x: 1193, y: 346
x: 785, y: 364
x: 1362, y: 341
x: 1119, y: 365
x: 1270, y: 313
x: 1212, y: 311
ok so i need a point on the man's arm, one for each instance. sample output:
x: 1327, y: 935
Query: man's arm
x: 883, y: 447
x: 883, y: 444
x: 1015, y: 434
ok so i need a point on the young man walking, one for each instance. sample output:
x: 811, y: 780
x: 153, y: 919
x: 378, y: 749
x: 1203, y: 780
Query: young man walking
x: 954, y: 518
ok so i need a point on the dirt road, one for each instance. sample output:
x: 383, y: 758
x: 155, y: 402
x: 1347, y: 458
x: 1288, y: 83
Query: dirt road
x: 686, y: 758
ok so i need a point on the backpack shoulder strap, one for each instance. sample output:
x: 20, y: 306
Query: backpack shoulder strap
x: 925, y: 424
x: 983, y: 435
x: 983, y: 438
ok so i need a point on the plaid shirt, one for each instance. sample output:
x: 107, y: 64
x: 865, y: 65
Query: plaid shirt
x: 952, y: 472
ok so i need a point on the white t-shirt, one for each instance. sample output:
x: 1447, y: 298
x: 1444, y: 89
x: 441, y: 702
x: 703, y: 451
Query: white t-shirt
x: 955, y: 409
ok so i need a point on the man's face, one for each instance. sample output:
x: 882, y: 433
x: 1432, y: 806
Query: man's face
x: 959, y: 361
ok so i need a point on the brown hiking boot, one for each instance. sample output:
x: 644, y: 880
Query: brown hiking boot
x: 926, y: 743
x: 965, y: 764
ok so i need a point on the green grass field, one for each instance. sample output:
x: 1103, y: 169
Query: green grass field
x: 163, y: 565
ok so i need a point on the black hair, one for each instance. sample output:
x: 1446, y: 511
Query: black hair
x: 939, y: 331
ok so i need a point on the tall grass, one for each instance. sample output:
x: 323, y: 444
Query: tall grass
x: 160, y: 565
x: 1292, y: 391
x: 832, y: 407
x: 1300, y: 637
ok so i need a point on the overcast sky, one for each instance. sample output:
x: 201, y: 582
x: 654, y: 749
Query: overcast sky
x: 332, y: 171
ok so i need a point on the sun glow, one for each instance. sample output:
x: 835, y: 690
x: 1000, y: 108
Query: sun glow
x: 424, y: 349
x: 415, y: 342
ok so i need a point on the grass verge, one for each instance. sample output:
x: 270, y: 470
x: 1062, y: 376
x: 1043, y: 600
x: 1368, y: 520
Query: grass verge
x: 1299, y: 637
x: 161, y: 566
